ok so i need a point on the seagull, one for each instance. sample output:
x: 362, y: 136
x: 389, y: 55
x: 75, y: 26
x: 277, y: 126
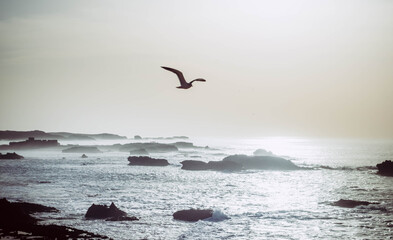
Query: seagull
x: 183, y: 83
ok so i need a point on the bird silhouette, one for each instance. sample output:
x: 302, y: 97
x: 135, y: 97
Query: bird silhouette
x: 183, y: 83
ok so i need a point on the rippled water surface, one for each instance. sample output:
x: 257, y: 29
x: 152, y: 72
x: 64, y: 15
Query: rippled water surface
x: 252, y: 204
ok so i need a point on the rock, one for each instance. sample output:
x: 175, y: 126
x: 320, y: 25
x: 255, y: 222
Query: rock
x: 137, y: 137
x: 193, y: 215
x: 82, y: 149
x: 13, y: 216
x: 10, y: 156
x: 104, y: 212
x: 350, y: 203
x: 385, y: 168
x: 33, y: 207
x: 224, y: 166
x: 16, y: 222
x: 140, y: 151
x: 262, y: 152
x: 194, y: 165
x: 147, y: 161
x: 262, y: 162
x: 84, y: 156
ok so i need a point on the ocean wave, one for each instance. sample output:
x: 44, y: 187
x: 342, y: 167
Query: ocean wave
x: 218, y: 216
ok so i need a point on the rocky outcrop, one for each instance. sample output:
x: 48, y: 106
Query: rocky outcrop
x: 137, y: 137
x: 111, y: 213
x: 385, y: 168
x: 82, y: 149
x: 350, y: 203
x: 147, y: 161
x: 16, y: 222
x: 10, y: 156
x: 193, y: 215
x: 262, y: 162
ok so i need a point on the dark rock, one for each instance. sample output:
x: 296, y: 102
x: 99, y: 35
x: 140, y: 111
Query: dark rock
x: 10, y: 156
x: 15, y: 218
x: 350, y: 203
x: 81, y: 149
x: 137, y: 137
x: 141, y: 151
x: 224, y: 166
x: 147, y: 161
x: 33, y: 207
x: 193, y: 215
x: 150, y: 147
x: 262, y: 162
x: 194, y: 165
x: 84, y: 156
x: 104, y: 212
x: 385, y: 168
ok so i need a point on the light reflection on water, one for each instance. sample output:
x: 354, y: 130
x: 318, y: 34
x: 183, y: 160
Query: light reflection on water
x: 259, y: 204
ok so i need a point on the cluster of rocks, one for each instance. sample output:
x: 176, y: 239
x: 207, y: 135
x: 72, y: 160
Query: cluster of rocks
x: 10, y: 156
x: 111, y: 213
x: 230, y: 163
x: 16, y: 222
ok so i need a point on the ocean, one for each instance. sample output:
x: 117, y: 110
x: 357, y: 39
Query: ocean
x: 250, y: 204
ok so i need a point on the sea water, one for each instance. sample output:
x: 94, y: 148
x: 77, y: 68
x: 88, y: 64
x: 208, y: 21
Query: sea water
x: 250, y: 204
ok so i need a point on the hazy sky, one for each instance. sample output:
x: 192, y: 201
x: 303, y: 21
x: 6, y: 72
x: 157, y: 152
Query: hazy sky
x: 273, y: 68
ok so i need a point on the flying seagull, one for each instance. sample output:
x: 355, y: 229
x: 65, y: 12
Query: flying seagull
x: 183, y: 83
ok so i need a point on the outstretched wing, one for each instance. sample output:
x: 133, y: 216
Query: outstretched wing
x: 198, y: 79
x: 179, y: 75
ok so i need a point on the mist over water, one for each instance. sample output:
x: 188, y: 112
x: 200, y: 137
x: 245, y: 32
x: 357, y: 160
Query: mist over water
x: 250, y: 204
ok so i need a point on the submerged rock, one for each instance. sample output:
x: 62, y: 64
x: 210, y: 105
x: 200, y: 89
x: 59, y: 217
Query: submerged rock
x: 350, y: 203
x: 84, y: 156
x: 385, y: 168
x: 262, y: 162
x: 193, y: 215
x: 147, y: 161
x: 10, y: 156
